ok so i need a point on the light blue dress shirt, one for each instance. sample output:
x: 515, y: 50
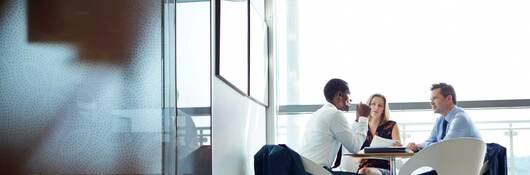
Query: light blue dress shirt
x: 459, y: 125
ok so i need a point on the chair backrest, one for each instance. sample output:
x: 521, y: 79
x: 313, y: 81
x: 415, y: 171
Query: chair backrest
x: 453, y: 156
x: 314, y: 168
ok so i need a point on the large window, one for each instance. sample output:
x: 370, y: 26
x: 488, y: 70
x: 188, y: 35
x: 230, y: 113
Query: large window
x: 400, y: 48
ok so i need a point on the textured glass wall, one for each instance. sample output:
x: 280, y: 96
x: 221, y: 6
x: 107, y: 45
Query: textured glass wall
x: 81, y: 87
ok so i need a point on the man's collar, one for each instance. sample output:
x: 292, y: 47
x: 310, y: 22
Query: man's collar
x: 330, y: 105
x: 451, y: 115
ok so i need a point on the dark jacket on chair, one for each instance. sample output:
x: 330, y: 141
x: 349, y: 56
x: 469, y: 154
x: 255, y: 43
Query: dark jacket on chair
x: 496, y: 157
x: 278, y: 160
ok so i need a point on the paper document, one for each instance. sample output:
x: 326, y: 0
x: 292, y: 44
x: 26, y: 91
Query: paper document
x: 382, y: 142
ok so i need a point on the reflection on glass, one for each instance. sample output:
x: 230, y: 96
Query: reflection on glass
x: 193, y: 126
x: 187, y: 142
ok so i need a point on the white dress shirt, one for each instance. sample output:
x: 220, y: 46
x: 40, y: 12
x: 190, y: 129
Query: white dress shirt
x: 326, y: 130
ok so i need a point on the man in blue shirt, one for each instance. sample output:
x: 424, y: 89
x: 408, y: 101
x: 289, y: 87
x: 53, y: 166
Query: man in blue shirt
x: 453, y: 123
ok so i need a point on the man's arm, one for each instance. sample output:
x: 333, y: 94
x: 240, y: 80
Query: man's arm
x: 353, y: 139
x: 432, y: 139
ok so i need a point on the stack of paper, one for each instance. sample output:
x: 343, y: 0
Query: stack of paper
x: 382, y: 142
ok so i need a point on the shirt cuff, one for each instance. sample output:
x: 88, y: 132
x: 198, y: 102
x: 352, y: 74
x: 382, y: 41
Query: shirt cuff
x: 361, y: 127
x: 363, y: 120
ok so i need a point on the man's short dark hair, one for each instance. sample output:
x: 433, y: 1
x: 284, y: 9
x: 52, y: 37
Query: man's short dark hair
x: 446, y: 89
x: 333, y: 86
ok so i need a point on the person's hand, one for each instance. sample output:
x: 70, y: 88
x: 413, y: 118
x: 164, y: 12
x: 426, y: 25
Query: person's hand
x: 362, y: 110
x: 397, y: 143
x: 413, y: 147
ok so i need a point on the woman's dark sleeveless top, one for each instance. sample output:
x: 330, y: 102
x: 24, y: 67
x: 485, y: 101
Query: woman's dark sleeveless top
x: 385, y: 131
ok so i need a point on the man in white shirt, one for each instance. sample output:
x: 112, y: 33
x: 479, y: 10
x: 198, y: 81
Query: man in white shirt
x: 327, y: 129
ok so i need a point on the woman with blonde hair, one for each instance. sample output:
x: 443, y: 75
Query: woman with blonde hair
x: 380, y: 125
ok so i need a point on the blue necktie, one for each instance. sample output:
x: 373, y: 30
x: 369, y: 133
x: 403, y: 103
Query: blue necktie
x: 444, y: 129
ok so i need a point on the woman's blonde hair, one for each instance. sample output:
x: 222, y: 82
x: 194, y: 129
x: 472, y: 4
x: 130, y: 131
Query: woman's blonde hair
x: 386, y: 112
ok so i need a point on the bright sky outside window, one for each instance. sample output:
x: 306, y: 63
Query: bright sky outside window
x: 399, y: 48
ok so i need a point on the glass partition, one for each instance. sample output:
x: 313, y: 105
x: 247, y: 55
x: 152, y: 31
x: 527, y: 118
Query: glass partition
x: 81, y: 87
x: 193, y: 88
x: 399, y: 49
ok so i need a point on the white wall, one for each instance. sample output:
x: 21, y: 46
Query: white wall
x: 238, y: 130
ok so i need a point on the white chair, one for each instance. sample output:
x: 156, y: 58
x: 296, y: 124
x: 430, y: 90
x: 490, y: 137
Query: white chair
x: 313, y: 167
x: 454, y: 156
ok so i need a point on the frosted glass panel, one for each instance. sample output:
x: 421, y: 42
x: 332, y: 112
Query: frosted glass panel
x: 81, y: 87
